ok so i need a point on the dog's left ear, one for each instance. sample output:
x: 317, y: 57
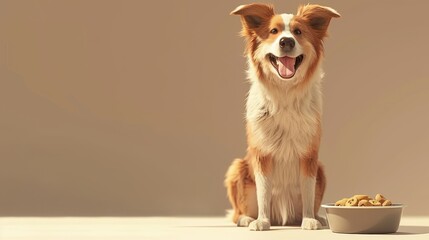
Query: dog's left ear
x: 318, y: 17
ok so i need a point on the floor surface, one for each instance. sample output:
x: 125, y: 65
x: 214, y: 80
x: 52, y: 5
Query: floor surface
x: 147, y: 228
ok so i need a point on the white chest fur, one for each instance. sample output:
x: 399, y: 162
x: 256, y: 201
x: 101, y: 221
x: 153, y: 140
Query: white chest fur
x: 283, y: 124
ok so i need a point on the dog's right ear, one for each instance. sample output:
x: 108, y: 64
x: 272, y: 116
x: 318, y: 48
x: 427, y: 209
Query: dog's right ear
x: 254, y: 16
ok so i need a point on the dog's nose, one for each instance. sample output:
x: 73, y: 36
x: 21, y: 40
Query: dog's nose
x: 287, y: 44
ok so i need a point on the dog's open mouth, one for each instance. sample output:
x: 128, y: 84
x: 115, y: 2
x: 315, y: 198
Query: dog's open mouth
x: 286, y: 66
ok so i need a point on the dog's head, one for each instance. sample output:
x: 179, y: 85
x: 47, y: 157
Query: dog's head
x: 285, y: 47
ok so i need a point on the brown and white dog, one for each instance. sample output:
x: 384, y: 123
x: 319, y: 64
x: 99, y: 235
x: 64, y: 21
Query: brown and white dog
x: 280, y: 181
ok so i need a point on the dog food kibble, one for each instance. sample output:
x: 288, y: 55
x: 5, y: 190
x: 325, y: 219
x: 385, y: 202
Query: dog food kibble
x: 375, y: 202
x: 341, y: 202
x: 353, y: 201
x: 380, y: 198
x: 387, y: 203
x: 362, y: 197
x: 364, y: 201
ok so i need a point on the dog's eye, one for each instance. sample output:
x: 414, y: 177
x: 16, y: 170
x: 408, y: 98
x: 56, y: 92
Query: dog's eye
x: 297, y: 31
x: 274, y: 31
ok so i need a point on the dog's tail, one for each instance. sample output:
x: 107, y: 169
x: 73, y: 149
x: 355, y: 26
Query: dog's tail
x: 234, y: 182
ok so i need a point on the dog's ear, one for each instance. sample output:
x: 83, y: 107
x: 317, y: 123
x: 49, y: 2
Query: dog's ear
x: 255, y: 17
x: 318, y: 17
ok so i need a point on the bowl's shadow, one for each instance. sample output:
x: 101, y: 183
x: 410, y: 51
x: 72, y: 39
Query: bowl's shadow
x: 412, y: 230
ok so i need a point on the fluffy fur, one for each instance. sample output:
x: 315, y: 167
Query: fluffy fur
x: 280, y: 181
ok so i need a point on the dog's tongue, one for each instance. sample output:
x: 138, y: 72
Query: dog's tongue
x: 287, y: 66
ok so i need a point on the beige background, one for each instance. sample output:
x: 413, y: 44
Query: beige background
x: 137, y: 107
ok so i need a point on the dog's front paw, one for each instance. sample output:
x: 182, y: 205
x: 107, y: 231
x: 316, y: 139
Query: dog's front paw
x: 244, y: 221
x: 310, y: 224
x: 260, y: 225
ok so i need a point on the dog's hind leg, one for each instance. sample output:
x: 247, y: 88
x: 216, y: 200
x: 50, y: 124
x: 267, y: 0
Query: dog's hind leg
x: 320, y: 190
x: 241, y: 191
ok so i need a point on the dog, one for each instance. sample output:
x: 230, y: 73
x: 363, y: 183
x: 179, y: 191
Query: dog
x: 280, y: 181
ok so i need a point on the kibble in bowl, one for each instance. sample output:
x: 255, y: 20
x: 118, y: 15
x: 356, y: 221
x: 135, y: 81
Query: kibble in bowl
x: 364, y: 201
x: 363, y: 214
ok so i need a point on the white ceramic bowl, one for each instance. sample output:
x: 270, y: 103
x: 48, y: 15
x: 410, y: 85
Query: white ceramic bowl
x: 343, y: 219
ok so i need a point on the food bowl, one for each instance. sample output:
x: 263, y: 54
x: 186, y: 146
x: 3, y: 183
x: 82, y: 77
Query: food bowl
x: 350, y: 219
